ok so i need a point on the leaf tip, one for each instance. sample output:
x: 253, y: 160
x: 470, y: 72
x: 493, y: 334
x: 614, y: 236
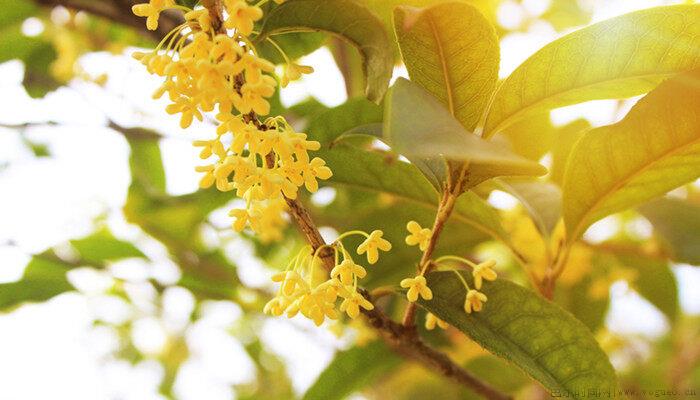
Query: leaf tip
x: 406, y: 16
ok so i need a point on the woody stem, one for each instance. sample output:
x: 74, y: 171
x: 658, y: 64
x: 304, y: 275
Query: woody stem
x: 403, y: 342
x: 445, y: 208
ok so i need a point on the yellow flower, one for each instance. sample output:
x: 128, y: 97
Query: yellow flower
x: 210, y: 147
x: 293, y: 71
x: 202, y: 17
x: 241, y: 16
x: 347, y: 270
x: 276, y: 306
x: 187, y: 107
x: 241, y: 217
x: 431, y: 320
x: 419, y: 236
x: 484, y: 271
x: 351, y: 305
x: 372, y: 244
x: 317, y: 169
x: 474, y: 301
x: 316, y: 306
x: 417, y: 286
x: 204, y: 71
x: 291, y: 281
x: 152, y: 11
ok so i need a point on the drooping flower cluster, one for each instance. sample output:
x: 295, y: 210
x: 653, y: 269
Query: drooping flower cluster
x: 307, y: 288
x: 205, y: 71
x: 417, y: 287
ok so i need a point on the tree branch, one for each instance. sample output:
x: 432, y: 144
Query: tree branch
x: 402, y: 340
x: 116, y: 11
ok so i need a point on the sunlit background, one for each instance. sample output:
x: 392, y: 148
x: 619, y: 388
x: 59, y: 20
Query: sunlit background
x: 57, y: 349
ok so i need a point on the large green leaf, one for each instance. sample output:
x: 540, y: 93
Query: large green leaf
x: 331, y: 124
x: 417, y: 124
x: 564, y: 141
x: 295, y: 45
x: 102, y: 246
x: 43, y: 278
x: 545, y: 341
x: 621, y: 57
x: 451, y: 50
x: 352, y: 370
x: 371, y: 171
x: 653, y: 150
x: 520, y: 136
x: 677, y: 224
x: 346, y: 18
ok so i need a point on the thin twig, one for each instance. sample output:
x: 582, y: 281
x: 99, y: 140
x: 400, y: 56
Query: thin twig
x: 403, y: 341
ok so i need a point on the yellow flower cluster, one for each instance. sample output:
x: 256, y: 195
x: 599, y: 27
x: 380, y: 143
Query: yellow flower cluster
x: 306, y: 288
x: 204, y: 71
x: 474, y: 299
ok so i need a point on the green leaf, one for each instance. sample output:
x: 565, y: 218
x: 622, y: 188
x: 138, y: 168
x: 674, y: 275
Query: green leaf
x: 654, y: 149
x: 146, y: 162
x: 43, y: 278
x: 171, y: 219
x: 542, y: 201
x: 677, y: 224
x: 563, y: 14
x: 295, y: 45
x: 520, y: 136
x: 37, y: 55
x: 370, y: 171
x: 655, y: 282
x: 347, y: 19
x: 565, y: 139
x: 102, y: 246
x: 590, y: 311
x: 621, y: 57
x: 417, y: 124
x: 352, y: 370
x: 14, y: 11
x: 452, y: 51
x: 498, y: 372
x: 331, y: 124
x: 545, y: 341
x: 576, y: 295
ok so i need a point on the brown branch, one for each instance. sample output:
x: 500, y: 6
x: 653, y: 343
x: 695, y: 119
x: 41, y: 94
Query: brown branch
x: 115, y: 10
x: 404, y: 341
x: 445, y: 208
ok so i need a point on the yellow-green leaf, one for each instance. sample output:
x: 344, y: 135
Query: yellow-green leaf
x: 352, y: 370
x: 102, y: 246
x: 621, y: 57
x: 43, y: 278
x: 541, y: 200
x: 654, y: 149
x: 452, y: 51
x: 347, y: 19
x: 538, y: 336
x: 370, y: 171
x: 417, y: 124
